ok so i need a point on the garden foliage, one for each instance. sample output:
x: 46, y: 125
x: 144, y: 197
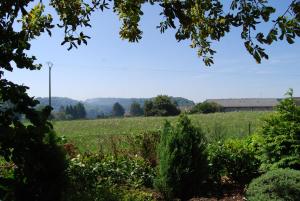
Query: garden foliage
x: 182, y: 160
x: 276, y: 185
x: 37, y: 161
x: 145, y: 145
x: 281, y: 133
x: 96, y: 177
x: 235, y: 159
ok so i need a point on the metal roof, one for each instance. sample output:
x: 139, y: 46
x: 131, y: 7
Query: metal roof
x: 246, y: 102
x: 297, y: 100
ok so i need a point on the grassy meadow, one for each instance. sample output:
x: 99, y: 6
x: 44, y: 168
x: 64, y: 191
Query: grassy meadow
x: 90, y: 135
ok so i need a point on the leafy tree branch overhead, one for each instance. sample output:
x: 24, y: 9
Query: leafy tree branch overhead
x: 200, y: 21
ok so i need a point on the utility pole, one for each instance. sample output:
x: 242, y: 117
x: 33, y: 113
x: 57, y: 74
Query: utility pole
x: 50, y: 64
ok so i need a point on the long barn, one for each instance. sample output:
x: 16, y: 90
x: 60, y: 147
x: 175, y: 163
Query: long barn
x: 248, y: 104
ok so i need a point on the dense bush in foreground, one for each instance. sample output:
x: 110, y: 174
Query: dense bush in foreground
x: 279, y: 185
x: 30, y: 151
x: 182, y: 160
x: 281, y: 133
x: 94, y: 177
x: 145, y: 145
x: 233, y: 158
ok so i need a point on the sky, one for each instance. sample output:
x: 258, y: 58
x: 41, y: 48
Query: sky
x: 158, y: 64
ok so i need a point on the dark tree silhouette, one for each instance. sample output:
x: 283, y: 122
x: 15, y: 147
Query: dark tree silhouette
x: 135, y: 109
x: 118, y: 110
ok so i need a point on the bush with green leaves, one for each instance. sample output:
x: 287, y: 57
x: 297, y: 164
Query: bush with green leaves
x: 32, y: 149
x: 182, y: 160
x: 83, y: 181
x: 276, y: 185
x: 136, y: 195
x: 96, y: 177
x: 281, y: 133
x: 206, y: 107
x: 233, y: 158
x: 145, y: 145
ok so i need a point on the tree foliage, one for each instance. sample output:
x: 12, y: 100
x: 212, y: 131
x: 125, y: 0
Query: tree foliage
x: 75, y: 112
x: 136, y: 110
x: 280, y: 147
x: 161, y: 105
x: 206, y: 107
x: 118, y: 110
x: 38, y: 162
x: 199, y: 21
x: 148, y: 108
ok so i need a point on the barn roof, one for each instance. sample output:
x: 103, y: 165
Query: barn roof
x: 297, y: 100
x: 246, y: 102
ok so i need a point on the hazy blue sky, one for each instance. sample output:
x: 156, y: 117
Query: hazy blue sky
x: 110, y: 67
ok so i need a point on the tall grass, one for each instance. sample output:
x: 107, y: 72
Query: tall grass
x: 91, y: 135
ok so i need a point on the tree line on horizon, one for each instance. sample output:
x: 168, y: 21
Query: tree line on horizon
x: 70, y: 112
x: 161, y: 105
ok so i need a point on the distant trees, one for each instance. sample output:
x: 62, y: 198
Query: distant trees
x: 148, y: 108
x: 101, y: 115
x: 75, y: 112
x: 118, y: 110
x: 206, y: 107
x: 161, y: 105
x: 61, y: 114
x: 135, y: 109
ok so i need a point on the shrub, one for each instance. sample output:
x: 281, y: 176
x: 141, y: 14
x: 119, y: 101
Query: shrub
x: 233, y: 158
x: 182, y: 160
x: 281, y: 134
x: 94, y: 177
x: 280, y: 184
x: 136, y: 195
x: 31, y: 149
x: 145, y: 145
x: 84, y: 184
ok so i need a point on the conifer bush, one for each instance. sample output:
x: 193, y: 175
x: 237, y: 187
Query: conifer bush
x: 182, y: 160
x: 279, y: 185
x: 281, y: 133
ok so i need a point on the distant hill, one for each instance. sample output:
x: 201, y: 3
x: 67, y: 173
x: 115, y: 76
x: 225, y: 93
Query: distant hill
x: 96, y: 106
x: 57, y: 102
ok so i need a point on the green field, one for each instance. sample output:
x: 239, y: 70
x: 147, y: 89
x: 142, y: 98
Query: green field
x: 89, y: 135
